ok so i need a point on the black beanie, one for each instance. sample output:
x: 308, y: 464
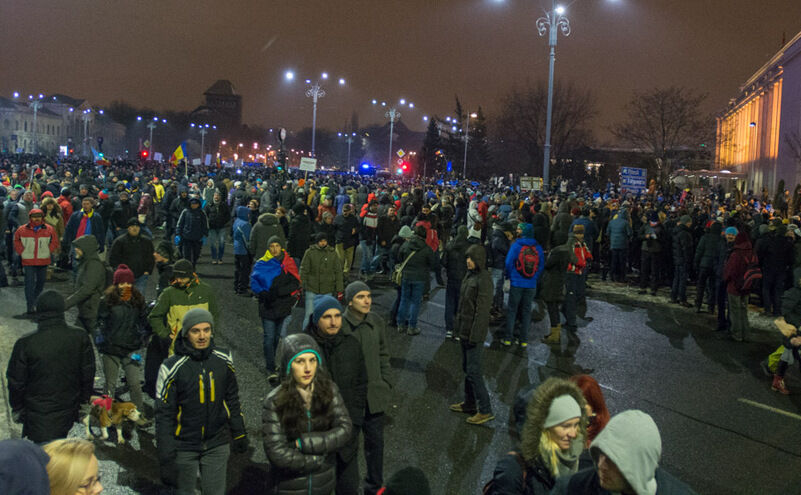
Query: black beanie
x: 182, y: 268
x: 50, y: 301
x: 408, y: 481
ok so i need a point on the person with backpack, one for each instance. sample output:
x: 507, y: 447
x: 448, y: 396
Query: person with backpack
x: 525, y: 262
x: 416, y: 259
x: 552, y: 439
x: 120, y: 317
x: 741, y: 261
x: 90, y: 282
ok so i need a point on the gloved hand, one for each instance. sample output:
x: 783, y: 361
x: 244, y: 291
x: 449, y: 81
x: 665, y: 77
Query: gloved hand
x: 203, y: 240
x: 177, y: 240
x: 240, y: 445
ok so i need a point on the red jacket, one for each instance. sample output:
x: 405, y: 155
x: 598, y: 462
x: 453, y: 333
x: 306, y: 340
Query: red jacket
x: 35, y: 246
x: 583, y: 255
x: 735, y: 266
x: 66, y: 208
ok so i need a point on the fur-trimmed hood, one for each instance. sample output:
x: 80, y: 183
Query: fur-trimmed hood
x: 537, y: 411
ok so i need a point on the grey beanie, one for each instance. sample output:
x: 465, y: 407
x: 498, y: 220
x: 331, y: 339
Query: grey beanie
x: 562, y: 409
x: 685, y: 219
x: 275, y: 239
x: 405, y: 232
x: 354, y: 288
x: 195, y: 316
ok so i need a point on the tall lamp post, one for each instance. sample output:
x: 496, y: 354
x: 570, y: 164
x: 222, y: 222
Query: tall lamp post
x: 349, y: 137
x: 467, y: 118
x: 203, y: 129
x: 151, y: 125
x: 553, y: 22
x: 35, y: 104
x: 394, y: 115
x: 86, y: 117
x: 315, y: 92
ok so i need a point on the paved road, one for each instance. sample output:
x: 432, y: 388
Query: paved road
x: 723, y: 430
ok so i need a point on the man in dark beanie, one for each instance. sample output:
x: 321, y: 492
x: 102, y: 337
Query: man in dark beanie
x: 343, y: 356
x: 198, y: 418
x: 408, y: 481
x: 136, y: 251
x: 370, y: 331
x: 50, y: 373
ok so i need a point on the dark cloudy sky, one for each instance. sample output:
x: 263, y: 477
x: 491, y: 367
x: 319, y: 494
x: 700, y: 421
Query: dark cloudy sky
x: 165, y: 53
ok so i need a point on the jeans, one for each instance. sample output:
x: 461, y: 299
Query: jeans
x: 381, y: 259
x: 367, y: 256
x: 497, y: 282
x: 217, y: 243
x: 133, y: 375
x: 409, y: 307
x: 213, y: 464
x: 373, y: 429
x: 679, y: 290
x: 141, y: 284
x: 34, y: 284
x: 520, y: 299
x: 451, y: 302
x: 272, y: 334
x: 475, y: 391
x: 574, y: 285
x: 618, y: 265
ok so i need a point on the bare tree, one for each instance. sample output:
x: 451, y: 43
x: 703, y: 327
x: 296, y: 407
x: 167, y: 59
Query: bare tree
x: 519, y: 129
x: 664, y: 121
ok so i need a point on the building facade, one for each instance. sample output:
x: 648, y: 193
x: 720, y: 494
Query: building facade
x: 759, y: 134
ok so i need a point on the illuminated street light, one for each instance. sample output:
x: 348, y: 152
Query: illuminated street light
x: 393, y: 115
x: 315, y: 92
x: 553, y: 22
x: 467, y: 118
x: 289, y: 75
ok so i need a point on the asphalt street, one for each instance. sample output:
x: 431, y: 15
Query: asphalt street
x: 723, y: 430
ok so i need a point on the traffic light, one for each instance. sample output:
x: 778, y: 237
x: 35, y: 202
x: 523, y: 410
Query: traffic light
x: 405, y: 166
x: 144, y: 154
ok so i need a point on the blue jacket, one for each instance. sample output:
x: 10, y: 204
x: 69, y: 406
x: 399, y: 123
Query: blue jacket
x: 97, y: 229
x: 619, y: 231
x: 241, y: 230
x: 516, y: 279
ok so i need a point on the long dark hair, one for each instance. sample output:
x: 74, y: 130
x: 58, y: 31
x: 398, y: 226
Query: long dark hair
x: 292, y: 411
x: 113, y: 297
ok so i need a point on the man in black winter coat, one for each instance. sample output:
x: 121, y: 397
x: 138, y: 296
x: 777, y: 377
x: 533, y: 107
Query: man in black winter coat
x: 775, y: 254
x: 682, y: 257
x: 455, y: 270
x: 50, y: 373
x: 346, y: 233
x: 136, y: 251
x: 344, y: 359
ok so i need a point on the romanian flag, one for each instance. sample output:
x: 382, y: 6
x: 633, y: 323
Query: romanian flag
x: 178, y: 155
x: 99, y: 158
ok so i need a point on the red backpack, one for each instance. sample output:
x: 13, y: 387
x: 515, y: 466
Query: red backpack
x: 432, y: 238
x: 751, y: 274
x: 528, y: 261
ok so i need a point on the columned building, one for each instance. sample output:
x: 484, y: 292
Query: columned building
x: 759, y: 134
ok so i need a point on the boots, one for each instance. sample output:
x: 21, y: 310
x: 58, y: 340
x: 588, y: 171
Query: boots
x: 555, y: 337
x: 778, y: 385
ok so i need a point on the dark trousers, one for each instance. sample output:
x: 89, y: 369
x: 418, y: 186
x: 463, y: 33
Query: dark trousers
x: 618, y: 265
x: 373, y: 429
x: 678, y: 291
x: 190, y: 250
x: 649, y: 270
x: 574, y: 286
x: 242, y: 264
x: 553, y: 313
x: 451, y: 302
x: 34, y: 284
x: 348, y: 466
x: 772, y: 291
x: 706, y: 278
x: 475, y: 391
x: 722, y: 300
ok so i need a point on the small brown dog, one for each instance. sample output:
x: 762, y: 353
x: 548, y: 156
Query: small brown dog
x: 109, y: 413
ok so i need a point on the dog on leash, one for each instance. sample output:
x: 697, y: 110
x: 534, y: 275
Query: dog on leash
x: 109, y: 413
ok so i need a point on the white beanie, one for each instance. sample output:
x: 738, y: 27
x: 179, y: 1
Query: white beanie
x: 562, y: 409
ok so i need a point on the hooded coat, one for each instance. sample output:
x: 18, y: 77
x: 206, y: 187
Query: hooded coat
x: 631, y: 440
x: 508, y: 475
x: 419, y: 267
x: 300, y: 230
x: 241, y: 231
x: 552, y: 287
x: 619, y: 231
x: 561, y: 224
x: 310, y: 469
x: 50, y: 372
x: 737, y: 263
x: 453, y: 259
x: 90, y: 281
x: 266, y: 227
x: 475, y: 300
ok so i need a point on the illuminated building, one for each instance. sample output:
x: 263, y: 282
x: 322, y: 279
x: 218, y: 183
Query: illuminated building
x: 759, y: 134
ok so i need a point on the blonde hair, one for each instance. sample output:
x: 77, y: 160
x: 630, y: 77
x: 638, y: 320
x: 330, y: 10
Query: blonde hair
x: 548, y: 449
x: 69, y: 458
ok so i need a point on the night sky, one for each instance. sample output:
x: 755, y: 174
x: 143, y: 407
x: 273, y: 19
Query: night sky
x: 164, y: 53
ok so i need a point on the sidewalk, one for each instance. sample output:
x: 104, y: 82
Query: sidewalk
x: 762, y: 328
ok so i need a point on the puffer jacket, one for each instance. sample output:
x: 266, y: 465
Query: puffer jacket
x: 309, y: 470
x: 682, y: 245
x: 197, y: 401
x: 192, y: 224
x: 120, y: 327
x: 475, y: 300
x: 561, y: 224
x: 453, y: 258
x: 619, y: 231
x: 35, y: 245
x: 499, y: 247
x: 136, y: 252
x: 418, y: 269
x: 266, y: 227
x: 90, y: 281
x: 706, y: 254
x: 552, y: 287
x: 321, y: 270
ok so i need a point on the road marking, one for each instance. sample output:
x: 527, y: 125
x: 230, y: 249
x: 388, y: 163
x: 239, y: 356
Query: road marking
x: 432, y: 303
x: 769, y: 408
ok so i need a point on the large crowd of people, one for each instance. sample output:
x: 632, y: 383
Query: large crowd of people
x: 504, y: 256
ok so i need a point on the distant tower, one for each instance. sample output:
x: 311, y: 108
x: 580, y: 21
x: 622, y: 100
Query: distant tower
x: 225, y: 104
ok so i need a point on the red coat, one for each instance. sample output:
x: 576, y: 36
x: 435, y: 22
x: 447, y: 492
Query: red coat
x: 66, y: 208
x: 735, y: 266
x: 35, y: 246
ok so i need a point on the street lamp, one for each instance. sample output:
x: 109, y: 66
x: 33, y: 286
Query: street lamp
x: 151, y: 125
x: 86, y: 117
x: 467, y: 118
x: 35, y: 104
x: 349, y: 137
x: 553, y: 22
x: 203, y: 129
x: 315, y: 92
x: 393, y: 115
